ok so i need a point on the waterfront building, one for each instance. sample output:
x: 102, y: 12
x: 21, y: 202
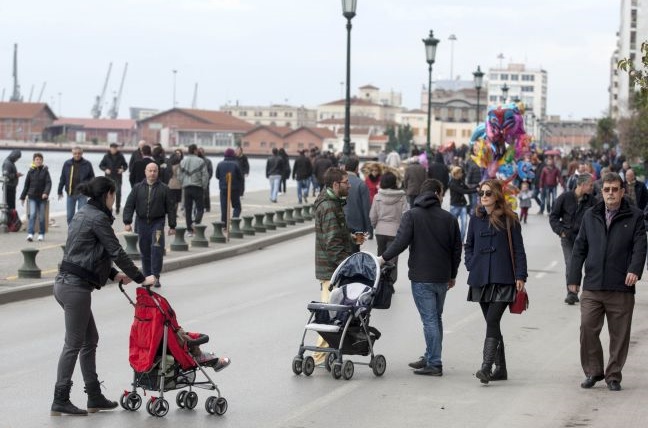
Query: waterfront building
x: 24, y: 121
x: 273, y: 115
x: 95, y: 131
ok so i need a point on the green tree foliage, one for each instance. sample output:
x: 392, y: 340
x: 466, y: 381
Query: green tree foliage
x: 605, y: 134
x: 633, y: 130
x: 399, y: 138
x: 638, y: 78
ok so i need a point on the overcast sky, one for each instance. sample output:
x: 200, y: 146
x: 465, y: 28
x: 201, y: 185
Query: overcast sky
x: 259, y: 52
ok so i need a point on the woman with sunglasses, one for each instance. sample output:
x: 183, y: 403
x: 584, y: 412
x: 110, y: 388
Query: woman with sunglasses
x: 495, y: 273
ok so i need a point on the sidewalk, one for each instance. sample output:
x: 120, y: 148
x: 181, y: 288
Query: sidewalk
x: 50, y: 252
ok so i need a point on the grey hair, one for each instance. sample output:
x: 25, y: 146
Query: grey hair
x: 583, y: 178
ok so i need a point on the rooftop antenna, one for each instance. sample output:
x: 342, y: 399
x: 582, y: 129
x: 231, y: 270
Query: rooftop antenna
x: 15, y: 96
x: 194, y: 101
x: 40, y: 96
x: 452, y: 39
x: 114, y: 110
x: 31, y: 93
x: 99, y: 99
x: 501, y: 58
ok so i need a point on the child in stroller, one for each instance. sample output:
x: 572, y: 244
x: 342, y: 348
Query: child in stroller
x: 344, y: 321
x: 164, y: 357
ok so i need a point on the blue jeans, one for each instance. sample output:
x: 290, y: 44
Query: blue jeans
x: 75, y: 203
x: 316, y: 185
x: 302, y: 189
x: 548, y: 198
x: 459, y: 212
x: 275, y: 181
x: 36, y: 208
x: 151, y: 243
x: 429, y: 299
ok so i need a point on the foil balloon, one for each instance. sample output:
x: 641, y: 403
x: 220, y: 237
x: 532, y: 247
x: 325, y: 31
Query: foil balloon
x: 525, y: 170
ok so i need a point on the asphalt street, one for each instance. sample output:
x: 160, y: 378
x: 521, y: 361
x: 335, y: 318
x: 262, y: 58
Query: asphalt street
x: 253, y: 307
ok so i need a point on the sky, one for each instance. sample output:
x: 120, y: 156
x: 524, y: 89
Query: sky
x: 262, y: 52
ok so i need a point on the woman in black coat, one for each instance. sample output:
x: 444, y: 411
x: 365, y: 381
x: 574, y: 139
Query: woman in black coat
x: 38, y: 185
x: 493, y: 277
x: 285, y: 174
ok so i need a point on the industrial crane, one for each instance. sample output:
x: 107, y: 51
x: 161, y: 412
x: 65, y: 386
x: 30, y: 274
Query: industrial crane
x: 114, y: 110
x: 15, y: 96
x: 99, y: 100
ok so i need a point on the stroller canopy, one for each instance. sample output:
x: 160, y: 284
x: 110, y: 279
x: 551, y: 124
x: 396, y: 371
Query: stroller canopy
x: 361, y: 267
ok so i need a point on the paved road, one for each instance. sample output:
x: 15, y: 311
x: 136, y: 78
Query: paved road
x: 253, y: 307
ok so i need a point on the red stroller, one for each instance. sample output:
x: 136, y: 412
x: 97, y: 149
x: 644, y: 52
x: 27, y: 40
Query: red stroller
x: 161, y: 361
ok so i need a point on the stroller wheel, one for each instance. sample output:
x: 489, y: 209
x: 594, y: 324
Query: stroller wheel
x: 130, y: 401
x: 378, y: 365
x: 191, y: 400
x: 348, y: 369
x: 308, y: 366
x: 180, y: 397
x: 336, y: 370
x: 160, y: 407
x: 210, y: 404
x: 220, y: 406
x: 330, y: 359
x: 297, y: 365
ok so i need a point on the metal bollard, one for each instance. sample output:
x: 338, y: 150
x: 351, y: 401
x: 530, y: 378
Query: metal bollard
x: 29, y: 268
x: 258, y: 223
x: 307, y: 212
x: 131, y: 245
x: 179, y: 243
x: 288, y: 218
x: 279, y: 221
x: 199, y: 239
x: 217, y: 235
x: 247, y: 225
x: 297, y: 215
x: 269, y: 224
x: 235, y: 231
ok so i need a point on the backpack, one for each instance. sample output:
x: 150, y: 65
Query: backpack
x: 13, y: 222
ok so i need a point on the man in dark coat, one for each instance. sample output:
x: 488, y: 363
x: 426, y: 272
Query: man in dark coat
x: 302, y: 171
x: 244, y: 165
x: 274, y: 169
x: 137, y: 171
x: 11, y: 176
x: 636, y: 190
x: 230, y: 165
x: 136, y: 155
x: 75, y: 171
x: 113, y: 165
x: 437, y: 232
x: 566, y: 218
x: 612, y: 239
x: 210, y: 170
x: 357, y: 205
x: 438, y: 170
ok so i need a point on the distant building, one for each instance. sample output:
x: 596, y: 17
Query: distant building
x: 182, y: 127
x: 274, y: 115
x: 97, y: 131
x: 527, y: 85
x: 568, y: 134
x: 262, y: 139
x: 24, y: 121
x: 139, y: 113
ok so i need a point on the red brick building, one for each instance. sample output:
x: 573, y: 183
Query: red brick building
x: 262, y: 139
x: 104, y: 131
x: 24, y: 121
x: 182, y: 127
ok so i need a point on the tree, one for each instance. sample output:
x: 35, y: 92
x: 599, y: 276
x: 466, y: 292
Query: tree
x: 633, y: 130
x: 637, y: 77
x: 605, y: 134
x: 399, y: 138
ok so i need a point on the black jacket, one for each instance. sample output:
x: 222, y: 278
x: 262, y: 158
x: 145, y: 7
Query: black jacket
x: 609, y: 254
x: 434, y: 241
x: 457, y: 191
x: 302, y: 169
x: 92, y: 246
x: 439, y: 171
x: 641, y: 194
x: 137, y: 172
x: 473, y: 173
x: 37, y: 183
x: 113, y: 163
x: 488, y: 258
x: 73, y: 174
x: 244, y: 164
x: 274, y: 166
x: 150, y: 207
x: 229, y: 164
x: 9, y: 168
x: 567, y: 214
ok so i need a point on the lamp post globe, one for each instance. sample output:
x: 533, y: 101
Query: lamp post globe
x: 478, y: 76
x: 505, y: 91
x: 348, y: 11
x: 430, y: 53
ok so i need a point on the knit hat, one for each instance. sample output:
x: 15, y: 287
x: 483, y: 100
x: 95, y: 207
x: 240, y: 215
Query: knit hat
x: 229, y: 153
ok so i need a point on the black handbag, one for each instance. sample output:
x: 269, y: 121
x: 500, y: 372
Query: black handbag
x: 382, y: 299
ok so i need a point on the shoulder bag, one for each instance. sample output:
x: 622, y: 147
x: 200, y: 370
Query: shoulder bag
x: 521, y: 301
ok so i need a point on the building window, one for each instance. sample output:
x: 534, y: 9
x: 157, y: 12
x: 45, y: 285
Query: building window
x: 504, y: 76
x: 288, y: 114
x: 288, y: 124
x: 300, y: 145
x: 492, y: 98
x: 466, y: 133
x: 242, y: 113
x: 286, y: 146
x: 451, y: 132
x: 273, y: 145
x: 246, y: 144
x: 263, y: 144
x: 527, y: 88
x: 258, y: 114
x: 493, y: 76
x: 515, y: 77
x: 273, y: 114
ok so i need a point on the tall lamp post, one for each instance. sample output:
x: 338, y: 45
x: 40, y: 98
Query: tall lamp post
x: 505, y: 90
x: 349, y: 11
x: 479, y: 80
x: 430, y: 53
x: 175, y: 72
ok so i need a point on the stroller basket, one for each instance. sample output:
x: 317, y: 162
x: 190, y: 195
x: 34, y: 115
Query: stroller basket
x: 356, y: 341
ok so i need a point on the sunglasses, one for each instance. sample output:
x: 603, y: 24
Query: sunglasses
x: 611, y: 189
x: 487, y: 193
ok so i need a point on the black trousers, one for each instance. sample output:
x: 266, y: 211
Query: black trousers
x: 236, y: 204
x: 193, y: 195
x: 11, y: 197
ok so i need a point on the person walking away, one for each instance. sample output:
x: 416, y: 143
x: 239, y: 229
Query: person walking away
x: 428, y: 229
x: 473, y: 178
x: 357, y: 205
x: 549, y: 180
x: 194, y: 178
x: 439, y: 171
x: 285, y: 172
x: 274, y: 169
x: 302, y: 172
x: 414, y: 177
x: 244, y: 165
x: 90, y: 250
x: 566, y: 218
x: 458, y: 192
x: 38, y: 185
x: 636, y: 190
x: 525, y: 197
x: 210, y: 171
x: 135, y: 156
x: 75, y: 171
x: 175, y: 186
x: 385, y: 215
x: 393, y: 159
x: 229, y: 165
x: 137, y: 172
x: 333, y: 242
x: 151, y: 202
x: 113, y: 165
x: 612, y: 238
x: 159, y: 156
x: 11, y: 175
x: 493, y: 277
x: 321, y: 164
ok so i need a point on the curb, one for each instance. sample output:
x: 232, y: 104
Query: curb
x: 45, y: 288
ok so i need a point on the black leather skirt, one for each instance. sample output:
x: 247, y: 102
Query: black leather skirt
x: 492, y: 293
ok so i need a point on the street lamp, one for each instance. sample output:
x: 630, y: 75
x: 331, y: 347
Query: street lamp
x: 175, y: 72
x: 430, y: 52
x: 505, y: 90
x: 479, y: 80
x: 348, y: 11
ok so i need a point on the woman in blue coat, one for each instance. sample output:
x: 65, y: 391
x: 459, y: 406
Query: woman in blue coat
x: 493, y: 278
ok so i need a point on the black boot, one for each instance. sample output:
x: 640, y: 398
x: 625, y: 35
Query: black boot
x: 490, y: 349
x: 96, y: 400
x: 62, y: 405
x: 500, y: 363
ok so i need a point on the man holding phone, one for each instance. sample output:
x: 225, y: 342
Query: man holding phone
x: 357, y: 205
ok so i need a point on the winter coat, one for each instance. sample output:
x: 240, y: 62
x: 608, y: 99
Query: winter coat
x: 387, y: 210
x: 432, y: 235
x: 414, y: 177
x: 302, y: 169
x: 113, y: 163
x: 322, y: 163
x: 244, y: 164
x: 274, y: 166
x: 439, y: 171
x: 373, y: 184
x: 641, y: 194
x: 458, y: 190
x: 285, y: 171
x: 37, y: 183
x: 150, y: 206
x: 333, y: 242
x: 229, y: 164
x: 567, y: 214
x: 174, y: 182
x: 488, y: 258
x: 73, y: 174
x: 91, y: 248
x: 357, y: 206
x: 193, y: 172
x: 549, y: 177
x: 609, y: 254
x: 473, y: 173
x: 138, y: 171
x: 9, y: 168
